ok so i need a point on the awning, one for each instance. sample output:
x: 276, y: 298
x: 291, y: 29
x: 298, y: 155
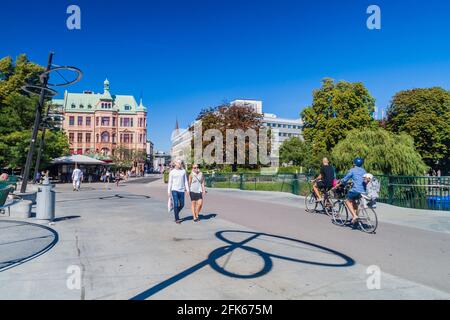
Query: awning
x: 78, y: 159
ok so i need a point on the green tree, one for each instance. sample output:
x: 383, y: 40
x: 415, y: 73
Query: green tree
x: 297, y: 152
x: 227, y: 117
x: 125, y: 158
x: 425, y: 115
x: 337, y: 108
x: 14, y: 148
x: 17, y: 112
x: 384, y: 153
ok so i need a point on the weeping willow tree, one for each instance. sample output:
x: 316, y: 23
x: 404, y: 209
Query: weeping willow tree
x: 384, y: 153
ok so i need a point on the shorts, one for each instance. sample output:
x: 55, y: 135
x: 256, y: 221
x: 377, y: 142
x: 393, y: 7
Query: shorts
x: 353, y: 195
x: 196, y: 196
x: 321, y: 185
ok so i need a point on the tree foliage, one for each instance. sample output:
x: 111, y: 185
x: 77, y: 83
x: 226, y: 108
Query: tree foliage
x: 230, y: 117
x: 125, y: 158
x: 337, y: 108
x: 384, y: 153
x: 297, y: 152
x: 425, y: 115
x: 17, y: 112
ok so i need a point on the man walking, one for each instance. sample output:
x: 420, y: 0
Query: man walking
x: 77, y: 177
x: 178, y: 186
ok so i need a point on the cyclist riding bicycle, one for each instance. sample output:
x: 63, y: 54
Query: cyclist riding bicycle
x: 356, y: 174
x: 324, y: 181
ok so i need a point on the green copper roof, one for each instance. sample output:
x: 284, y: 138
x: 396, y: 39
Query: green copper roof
x: 90, y: 102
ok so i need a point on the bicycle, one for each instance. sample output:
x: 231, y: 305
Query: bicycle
x: 367, y: 216
x: 311, y: 202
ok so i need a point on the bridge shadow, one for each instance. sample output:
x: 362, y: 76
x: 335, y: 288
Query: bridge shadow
x: 345, y: 261
x: 21, y: 242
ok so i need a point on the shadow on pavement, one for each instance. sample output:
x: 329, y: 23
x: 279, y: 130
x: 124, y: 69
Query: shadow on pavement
x: 267, y: 258
x: 201, y: 217
x: 21, y: 242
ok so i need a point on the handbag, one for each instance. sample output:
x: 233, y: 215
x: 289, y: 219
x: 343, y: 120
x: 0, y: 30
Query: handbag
x: 170, y: 205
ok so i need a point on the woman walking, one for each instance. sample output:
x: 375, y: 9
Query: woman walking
x: 197, y: 191
x: 178, y: 186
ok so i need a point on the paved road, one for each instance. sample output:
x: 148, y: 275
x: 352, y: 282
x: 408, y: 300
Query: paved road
x: 127, y: 246
x: 410, y: 253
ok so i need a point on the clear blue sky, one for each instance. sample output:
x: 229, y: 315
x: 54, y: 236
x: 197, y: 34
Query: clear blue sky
x: 186, y: 55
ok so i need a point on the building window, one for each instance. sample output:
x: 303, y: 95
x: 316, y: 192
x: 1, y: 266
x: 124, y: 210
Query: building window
x: 80, y: 138
x: 71, y: 137
x: 127, y: 138
x: 97, y: 138
x: 88, y: 137
x: 80, y: 121
x: 97, y: 121
x: 88, y: 121
x: 127, y: 108
x: 114, y: 121
x: 105, y: 121
x: 80, y: 151
x: 105, y: 137
x: 71, y: 121
x: 140, y: 138
x: 113, y: 138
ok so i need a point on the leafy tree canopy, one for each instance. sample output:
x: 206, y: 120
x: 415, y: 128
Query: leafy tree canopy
x: 384, y: 153
x: 17, y: 112
x: 296, y: 152
x: 425, y: 115
x: 337, y: 108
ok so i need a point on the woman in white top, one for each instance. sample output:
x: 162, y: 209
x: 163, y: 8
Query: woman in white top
x: 178, y: 185
x: 197, y: 191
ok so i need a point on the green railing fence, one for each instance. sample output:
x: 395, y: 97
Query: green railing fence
x: 432, y: 193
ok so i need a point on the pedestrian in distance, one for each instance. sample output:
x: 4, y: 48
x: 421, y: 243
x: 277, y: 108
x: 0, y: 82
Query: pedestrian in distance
x: 197, y: 191
x: 77, y: 178
x: 177, y: 188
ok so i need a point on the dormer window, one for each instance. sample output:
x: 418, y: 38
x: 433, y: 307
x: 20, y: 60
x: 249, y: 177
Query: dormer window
x: 89, y: 106
x: 81, y: 106
x: 73, y: 106
x: 127, y: 108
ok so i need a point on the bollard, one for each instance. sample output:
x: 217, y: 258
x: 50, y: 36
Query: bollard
x: 45, y: 209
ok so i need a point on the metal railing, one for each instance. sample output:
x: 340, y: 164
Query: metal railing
x: 431, y: 193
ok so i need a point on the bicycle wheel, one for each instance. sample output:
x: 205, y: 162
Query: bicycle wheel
x: 368, y: 220
x: 328, y: 206
x: 310, y: 203
x: 340, y: 213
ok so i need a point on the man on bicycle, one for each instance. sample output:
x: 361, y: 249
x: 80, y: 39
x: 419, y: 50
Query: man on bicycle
x: 324, y: 181
x: 356, y: 174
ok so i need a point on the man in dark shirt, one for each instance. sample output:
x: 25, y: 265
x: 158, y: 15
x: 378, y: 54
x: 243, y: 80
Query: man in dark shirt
x: 324, y: 181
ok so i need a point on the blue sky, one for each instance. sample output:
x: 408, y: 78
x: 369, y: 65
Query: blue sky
x: 186, y: 55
